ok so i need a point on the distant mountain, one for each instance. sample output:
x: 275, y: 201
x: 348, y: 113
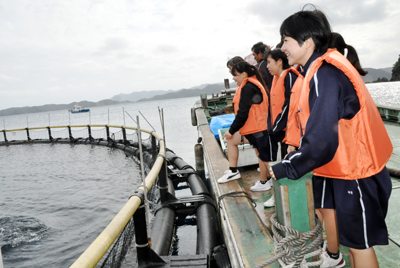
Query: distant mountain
x: 200, y: 87
x: 183, y: 93
x: 135, y: 96
x: 54, y: 107
x: 374, y: 74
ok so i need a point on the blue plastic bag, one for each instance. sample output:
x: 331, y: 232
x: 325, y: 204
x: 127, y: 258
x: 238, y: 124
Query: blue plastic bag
x: 221, y: 121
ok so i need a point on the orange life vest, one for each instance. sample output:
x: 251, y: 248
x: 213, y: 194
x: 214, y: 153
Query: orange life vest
x: 277, y: 93
x: 293, y: 133
x: 257, y: 120
x: 364, y: 145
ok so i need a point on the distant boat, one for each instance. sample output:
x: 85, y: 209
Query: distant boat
x: 78, y: 109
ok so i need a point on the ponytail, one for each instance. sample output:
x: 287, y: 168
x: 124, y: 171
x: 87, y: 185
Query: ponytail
x: 353, y: 58
x: 337, y: 41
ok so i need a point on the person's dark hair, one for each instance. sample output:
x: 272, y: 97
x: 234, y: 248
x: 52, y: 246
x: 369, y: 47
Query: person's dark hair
x: 337, y: 41
x: 245, y: 67
x: 233, y: 61
x: 308, y: 24
x: 259, y: 47
x: 277, y: 54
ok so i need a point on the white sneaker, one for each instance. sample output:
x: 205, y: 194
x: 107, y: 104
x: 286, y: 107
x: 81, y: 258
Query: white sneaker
x: 260, y: 187
x: 329, y: 262
x: 270, y: 202
x: 229, y: 176
x: 324, y: 246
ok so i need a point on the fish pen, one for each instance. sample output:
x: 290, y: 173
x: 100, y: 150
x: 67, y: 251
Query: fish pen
x: 131, y: 224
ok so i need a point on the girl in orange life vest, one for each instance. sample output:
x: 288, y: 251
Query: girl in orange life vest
x: 237, y: 138
x: 251, y: 108
x: 322, y: 185
x: 336, y: 115
x: 284, y: 77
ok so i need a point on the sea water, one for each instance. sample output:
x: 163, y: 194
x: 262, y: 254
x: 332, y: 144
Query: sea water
x: 56, y: 199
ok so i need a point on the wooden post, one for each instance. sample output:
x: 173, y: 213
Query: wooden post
x: 291, y: 212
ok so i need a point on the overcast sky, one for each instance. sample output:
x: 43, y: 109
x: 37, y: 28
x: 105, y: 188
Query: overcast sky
x: 56, y: 52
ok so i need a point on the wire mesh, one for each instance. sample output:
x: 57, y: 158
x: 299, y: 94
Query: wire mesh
x: 79, y: 133
x: 99, y: 133
x: 40, y: 134
x: 116, y: 135
x: 120, y: 247
x: 20, y: 135
x: 60, y: 133
x: 117, y: 252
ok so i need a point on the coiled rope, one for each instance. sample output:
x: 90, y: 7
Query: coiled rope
x: 291, y: 251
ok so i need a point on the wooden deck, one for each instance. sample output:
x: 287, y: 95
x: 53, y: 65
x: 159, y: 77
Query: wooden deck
x: 247, y: 228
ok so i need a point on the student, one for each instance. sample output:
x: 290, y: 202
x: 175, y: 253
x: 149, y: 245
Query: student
x: 259, y: 51
x: 233, y: 61
x: 251, y: 109
x: 284, y: 77
x: 237, y: 138
x: 322, y: 186
x: 343, y: 139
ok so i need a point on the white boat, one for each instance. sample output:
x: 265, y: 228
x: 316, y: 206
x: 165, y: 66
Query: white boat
x: 78, y: 109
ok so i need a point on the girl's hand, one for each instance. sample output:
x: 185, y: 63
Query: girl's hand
x: 227, y: 135
x: 290, y: 149
x: 272, y: 173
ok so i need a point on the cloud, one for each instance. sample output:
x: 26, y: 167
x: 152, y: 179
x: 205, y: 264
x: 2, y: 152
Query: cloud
x: 96, y: 49
x: 115, y: 44
x: 164, y: 48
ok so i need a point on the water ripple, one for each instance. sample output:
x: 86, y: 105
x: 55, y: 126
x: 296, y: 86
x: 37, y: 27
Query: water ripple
x: 19, y: 230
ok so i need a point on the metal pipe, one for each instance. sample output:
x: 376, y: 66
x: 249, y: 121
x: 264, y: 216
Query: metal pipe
x: 5, y: 136
x: 27, y: 134
x: 70, y: 133
x: 49, y: 131
x: 124, y: 135
x: 162, y: 183
x: 146, y: 203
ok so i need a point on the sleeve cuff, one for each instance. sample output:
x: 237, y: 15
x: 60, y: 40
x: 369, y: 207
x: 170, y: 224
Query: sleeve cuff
x: 279, y: 171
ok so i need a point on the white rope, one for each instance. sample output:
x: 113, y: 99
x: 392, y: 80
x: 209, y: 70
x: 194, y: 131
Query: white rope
x: 291, y: 251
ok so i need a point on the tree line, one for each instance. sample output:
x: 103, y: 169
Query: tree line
x: 395, y: 73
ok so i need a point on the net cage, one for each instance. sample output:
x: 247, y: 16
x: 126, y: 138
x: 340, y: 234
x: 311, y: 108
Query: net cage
x: 116, y: 255
x: 117, y: 252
